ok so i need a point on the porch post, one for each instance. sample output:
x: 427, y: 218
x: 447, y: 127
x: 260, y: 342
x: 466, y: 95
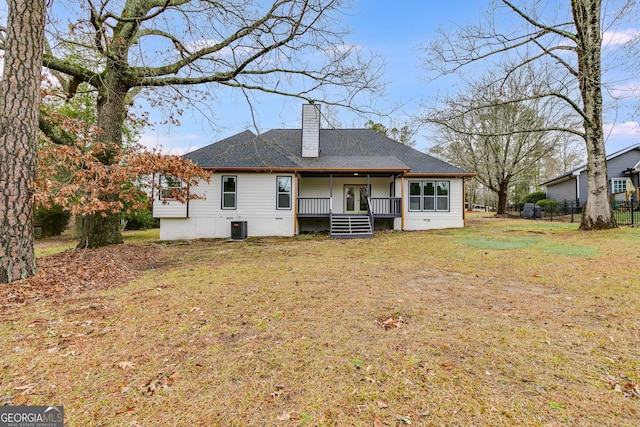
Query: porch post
x: 330, y: 193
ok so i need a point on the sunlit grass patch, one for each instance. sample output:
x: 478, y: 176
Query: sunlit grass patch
x: 500, y: 243
x: 564, y: 249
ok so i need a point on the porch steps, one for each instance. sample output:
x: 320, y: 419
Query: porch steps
x: 351, y: 226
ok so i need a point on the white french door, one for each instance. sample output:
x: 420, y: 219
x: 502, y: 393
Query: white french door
x: 355, y: 199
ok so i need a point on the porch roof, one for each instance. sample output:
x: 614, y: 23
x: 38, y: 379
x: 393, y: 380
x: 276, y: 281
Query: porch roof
x: 355, y: 163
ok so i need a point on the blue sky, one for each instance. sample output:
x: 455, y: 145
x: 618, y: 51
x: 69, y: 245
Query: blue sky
x: 396, y: 33
x: 393, y: 30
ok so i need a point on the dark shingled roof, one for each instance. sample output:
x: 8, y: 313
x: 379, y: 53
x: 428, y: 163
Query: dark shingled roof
x: 340, y: 149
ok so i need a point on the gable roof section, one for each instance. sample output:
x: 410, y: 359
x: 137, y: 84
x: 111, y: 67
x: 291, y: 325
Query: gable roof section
x: 578, y: 171
x: 340, y: 150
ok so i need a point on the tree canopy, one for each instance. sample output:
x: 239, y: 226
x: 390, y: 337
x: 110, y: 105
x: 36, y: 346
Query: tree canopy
x: 481, y: 130
x: 566, y: 46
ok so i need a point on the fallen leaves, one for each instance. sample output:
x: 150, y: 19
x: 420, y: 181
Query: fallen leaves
x: 160, y: 383
x: 79, y: 270
x: 125, y: 365
x: 390, y: 322
x: 624, y: 385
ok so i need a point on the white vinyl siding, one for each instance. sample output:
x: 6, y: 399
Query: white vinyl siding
x: 255, y: 204
x: 453, y: 217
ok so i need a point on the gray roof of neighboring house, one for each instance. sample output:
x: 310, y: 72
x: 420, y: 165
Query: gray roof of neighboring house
x: 340, y: 149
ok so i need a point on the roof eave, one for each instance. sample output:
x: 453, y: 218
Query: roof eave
x: 298, y: 169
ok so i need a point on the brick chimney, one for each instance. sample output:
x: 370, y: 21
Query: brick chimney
x: 310, y: 130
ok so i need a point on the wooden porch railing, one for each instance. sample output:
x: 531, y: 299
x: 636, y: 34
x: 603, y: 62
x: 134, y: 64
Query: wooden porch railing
x: 385, y: 207
x: 314, y: 206
x: 379, y: 207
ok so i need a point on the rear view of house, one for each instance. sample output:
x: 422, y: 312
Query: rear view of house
x: 350, y: 182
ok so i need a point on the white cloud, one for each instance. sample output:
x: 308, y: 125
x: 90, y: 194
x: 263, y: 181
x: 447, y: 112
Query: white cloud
x: 619, y: 37
x: 629, y: 90
x: 626, y: 129
x: 172, y: 144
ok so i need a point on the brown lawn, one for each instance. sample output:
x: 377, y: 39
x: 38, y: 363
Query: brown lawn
x: 505, y: 322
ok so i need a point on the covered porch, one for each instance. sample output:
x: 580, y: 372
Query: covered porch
x: 349, y: 204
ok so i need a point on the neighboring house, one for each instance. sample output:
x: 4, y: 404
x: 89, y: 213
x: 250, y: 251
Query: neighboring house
x: 286, y: 181
x: 623, y: 167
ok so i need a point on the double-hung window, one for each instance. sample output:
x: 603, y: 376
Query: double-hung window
x: 283, y: 197
x: 429, y: 196
x: 229, y: 192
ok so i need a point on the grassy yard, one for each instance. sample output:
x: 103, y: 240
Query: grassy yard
x: 503, y: 323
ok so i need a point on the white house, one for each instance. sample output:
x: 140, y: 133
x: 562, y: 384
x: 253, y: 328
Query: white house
x: 350, y: 182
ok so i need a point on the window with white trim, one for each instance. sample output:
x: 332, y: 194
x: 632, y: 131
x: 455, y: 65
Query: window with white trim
x: 429, y: 196
x: 229, y: 192
x: 170, y: 187
x: 283, y: 192
x: 618, y: 185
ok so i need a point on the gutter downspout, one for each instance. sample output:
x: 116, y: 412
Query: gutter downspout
x: 402, y: 202
x: 295, y: 205
x: 464, y: 202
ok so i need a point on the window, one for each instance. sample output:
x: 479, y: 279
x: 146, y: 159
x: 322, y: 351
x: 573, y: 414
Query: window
x: 229, y: 192
x: 429, y: 196
x: 283, y: 197
x: 442, y: 195
x: 618, y: 185
x: 169, y: 187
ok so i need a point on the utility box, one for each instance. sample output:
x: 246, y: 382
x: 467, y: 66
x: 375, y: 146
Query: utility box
x: 238, y: 230
x: 531, y: 211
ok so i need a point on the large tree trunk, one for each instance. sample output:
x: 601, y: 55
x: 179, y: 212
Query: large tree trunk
x: 102, y: 229
x: 596, y: 213
x: 99, y: 230
x: 19, y: 106
x: 502, y: 198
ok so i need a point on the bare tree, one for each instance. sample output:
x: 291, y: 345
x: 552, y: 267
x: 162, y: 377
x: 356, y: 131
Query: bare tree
x: 483, y: 131
x: 282, y: 47
x: 573, y: 44
x: 404, y: 133
x: 19, y: 102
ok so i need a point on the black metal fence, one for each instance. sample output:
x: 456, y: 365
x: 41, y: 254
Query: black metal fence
x: 627, y: 213
x: 561, y: 211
